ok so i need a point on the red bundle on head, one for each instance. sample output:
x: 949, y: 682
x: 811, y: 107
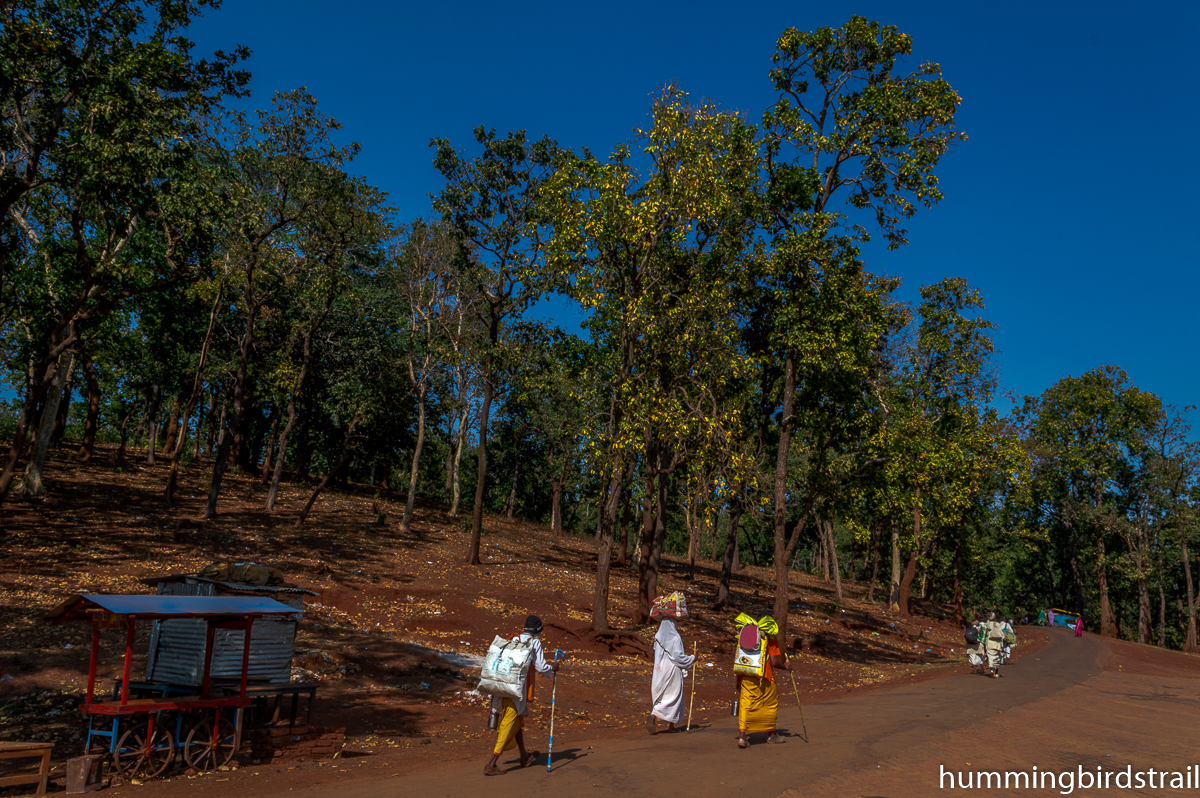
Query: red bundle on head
x: 673, y: 606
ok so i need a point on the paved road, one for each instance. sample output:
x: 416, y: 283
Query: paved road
x: 1057, y: 708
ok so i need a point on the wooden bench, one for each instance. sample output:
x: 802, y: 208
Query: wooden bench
x: 26, y: 751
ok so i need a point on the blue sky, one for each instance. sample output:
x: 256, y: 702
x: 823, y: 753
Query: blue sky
x: 1068, y: 208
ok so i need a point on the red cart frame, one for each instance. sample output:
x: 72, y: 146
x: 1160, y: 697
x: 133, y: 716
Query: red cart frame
x: 150, y: 752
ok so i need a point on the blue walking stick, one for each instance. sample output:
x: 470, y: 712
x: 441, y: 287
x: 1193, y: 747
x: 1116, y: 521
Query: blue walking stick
x: 553, y: 694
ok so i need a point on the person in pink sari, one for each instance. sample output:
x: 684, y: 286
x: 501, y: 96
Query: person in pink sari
x: 1079, y: 627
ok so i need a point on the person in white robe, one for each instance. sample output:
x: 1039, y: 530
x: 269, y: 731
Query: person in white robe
x: 671, y: 665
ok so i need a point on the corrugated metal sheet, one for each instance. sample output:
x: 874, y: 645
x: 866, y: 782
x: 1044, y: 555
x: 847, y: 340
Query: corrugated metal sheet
x: 231, y: 587
x: 177, y: 645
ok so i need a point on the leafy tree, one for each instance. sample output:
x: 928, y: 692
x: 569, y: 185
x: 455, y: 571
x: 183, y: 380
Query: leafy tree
x: 1084, y: 430
x: 103, y: 107
x: 654, y: 260
x: 846, y: 123
x: 491, y: 202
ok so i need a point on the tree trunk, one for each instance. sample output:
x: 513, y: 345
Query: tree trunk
x: 124, y: 438
x: 235, y: 420
x: 64, y: 409
x: 608, y: 528
x: 32, y: 485
x: 172, y: 426
x: 200, y: 414
x: 894, y: 593
x: 779, y: 531
x: 176, y: 450
x: 1189, y: 644
x: 958, y: 598
x: 153, y: 406
x: 481, y: 478
x: 458, y: 450
x: 875, y: 557
x: 344, y: 457
x: 1108, y: 627
x: 626, y: 520
x: 646, y: 542
x: 269, y: 455
x: 556, y: 525
x: 716, y: 549
x: 282, y: 444
x: 449, y: 467
x: 910, y: 569
x: 406, y: 522
x: 1162, y: 607
x: 511, y: 504
x: 92, y: 423
x: 831, y: 547
x: 694, y: 532
x: 648, y: 587
x: 727, y: 566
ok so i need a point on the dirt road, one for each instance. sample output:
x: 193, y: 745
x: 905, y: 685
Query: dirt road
x: 1075, y: 702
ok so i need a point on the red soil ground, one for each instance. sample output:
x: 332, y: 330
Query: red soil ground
x: 390, y: 602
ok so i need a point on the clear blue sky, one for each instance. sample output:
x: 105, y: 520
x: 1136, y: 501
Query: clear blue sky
x: 1068, y: 208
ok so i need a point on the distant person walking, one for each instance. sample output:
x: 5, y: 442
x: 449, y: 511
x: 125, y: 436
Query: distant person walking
x: 1010, y: 636
x: 671, y: 662
x: 994, y: 641
x: 1049, y: 617
x: 974, y: 637
x: 1079, y: 627
x: 511, y: 712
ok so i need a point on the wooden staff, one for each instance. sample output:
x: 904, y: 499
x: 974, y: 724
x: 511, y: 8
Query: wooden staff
x: 798, y: 705
x: 692, y: 701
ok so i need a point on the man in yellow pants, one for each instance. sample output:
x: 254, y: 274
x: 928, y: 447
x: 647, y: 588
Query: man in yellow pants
x: 512, y: 713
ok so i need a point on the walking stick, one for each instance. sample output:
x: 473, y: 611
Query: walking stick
x: 553, y: 696
x: 692, y: 701
x: 798, y: 704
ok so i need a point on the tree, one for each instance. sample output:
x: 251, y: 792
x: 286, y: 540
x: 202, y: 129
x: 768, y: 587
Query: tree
x: 427, y: 284
x: 491, y: 202
x: 655, y: 260
x: 1084, y: 429
x: 286, y: 173
x: 103, y: 107
x: 844, y: 121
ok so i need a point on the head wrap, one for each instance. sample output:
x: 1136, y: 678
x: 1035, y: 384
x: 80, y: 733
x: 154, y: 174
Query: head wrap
x: 672, y: 606
x: 533, y: 625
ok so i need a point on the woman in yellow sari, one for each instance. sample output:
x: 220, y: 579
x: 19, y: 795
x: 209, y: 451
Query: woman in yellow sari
x: 758, y: 707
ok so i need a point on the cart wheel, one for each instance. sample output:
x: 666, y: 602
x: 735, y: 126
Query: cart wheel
x: 134, y: 760
x: 200, y: 752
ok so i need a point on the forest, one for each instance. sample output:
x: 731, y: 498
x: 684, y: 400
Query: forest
x: 195, y: 284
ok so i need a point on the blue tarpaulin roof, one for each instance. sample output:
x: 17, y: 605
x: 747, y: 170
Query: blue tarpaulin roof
x: 169, y: 606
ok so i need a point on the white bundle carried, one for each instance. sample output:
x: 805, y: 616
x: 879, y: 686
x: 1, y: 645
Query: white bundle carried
x: 505, y: 668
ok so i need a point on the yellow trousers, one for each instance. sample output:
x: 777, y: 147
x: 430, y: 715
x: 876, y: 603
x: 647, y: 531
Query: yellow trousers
x: 510, y: 724
x: 759, y: 708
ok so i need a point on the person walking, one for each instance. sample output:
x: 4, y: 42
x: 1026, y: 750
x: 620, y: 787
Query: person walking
x: 758, y: 700
x: 1079, y: 626
x: 994, y: 641
x: 1009, y: 632
x: 511, y: 712
x: 976, y: 653
x: 671, y: 662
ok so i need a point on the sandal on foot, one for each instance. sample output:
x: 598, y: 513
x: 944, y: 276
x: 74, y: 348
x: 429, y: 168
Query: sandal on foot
x: 494, y: 772
x: 743, y: 744
x: 530, y: 759
x: 775, y: 738
x: 651, y: 726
